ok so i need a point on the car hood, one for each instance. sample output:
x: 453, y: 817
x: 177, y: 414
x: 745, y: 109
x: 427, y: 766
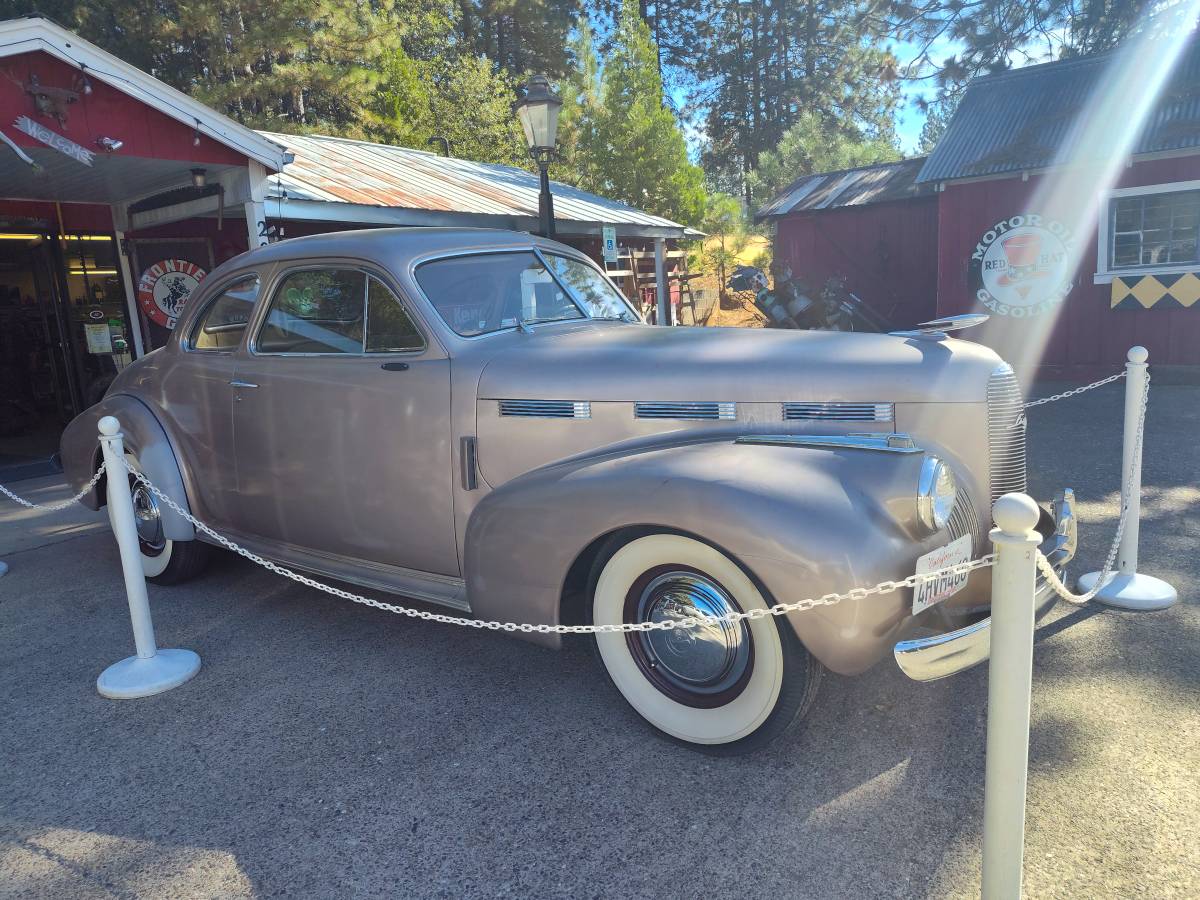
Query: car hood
x: 619, y: 362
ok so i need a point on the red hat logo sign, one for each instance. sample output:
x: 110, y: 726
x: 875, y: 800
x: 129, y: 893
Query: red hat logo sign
x: 1021, y: 266
x: 164, y: 288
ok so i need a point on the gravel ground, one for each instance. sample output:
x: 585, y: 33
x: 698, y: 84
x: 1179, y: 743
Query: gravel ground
x: 333, y: 750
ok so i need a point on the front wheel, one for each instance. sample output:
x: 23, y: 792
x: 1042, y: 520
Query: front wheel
x: 725, y: 687
x: 164, y: 561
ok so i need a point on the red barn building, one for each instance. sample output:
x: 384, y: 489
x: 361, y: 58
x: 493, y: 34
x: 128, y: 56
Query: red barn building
x: 1025, y: 211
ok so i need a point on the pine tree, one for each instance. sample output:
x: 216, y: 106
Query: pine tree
x: 637, y: 147
x: 808, y: 147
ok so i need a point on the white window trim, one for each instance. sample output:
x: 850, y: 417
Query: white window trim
x: 1103, y: 237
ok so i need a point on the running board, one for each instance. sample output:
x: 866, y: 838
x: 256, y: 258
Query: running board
x: 444, y: 590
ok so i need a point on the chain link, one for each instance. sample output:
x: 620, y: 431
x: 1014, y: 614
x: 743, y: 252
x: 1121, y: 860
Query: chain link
x: 1044, y: 564
x: 778, y: 609
x: 1079, y: 390
x: 62, y: 504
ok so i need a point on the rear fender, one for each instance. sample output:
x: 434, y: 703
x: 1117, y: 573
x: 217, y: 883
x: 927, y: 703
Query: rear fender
x: 803, y: 521
x: 144, y: 437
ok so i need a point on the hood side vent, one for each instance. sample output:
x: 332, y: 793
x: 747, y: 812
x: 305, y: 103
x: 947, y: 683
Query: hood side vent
x: 546, y: 409
x: 701, y: 410
x: 839, y: 412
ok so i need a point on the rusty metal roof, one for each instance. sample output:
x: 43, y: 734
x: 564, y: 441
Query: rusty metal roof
x: 397, y: 185
x: 850, y: 187
x: 1029, y: 118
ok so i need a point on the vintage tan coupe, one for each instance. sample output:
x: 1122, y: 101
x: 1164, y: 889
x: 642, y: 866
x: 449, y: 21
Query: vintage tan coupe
x: 477, y: 419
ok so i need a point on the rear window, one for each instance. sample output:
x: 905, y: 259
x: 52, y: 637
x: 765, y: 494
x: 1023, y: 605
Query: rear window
x: 223, y: 322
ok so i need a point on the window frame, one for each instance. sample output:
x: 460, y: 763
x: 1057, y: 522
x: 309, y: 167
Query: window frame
x: 187, y: 337
x: 260, y: 319
x: 1105, y: 273
x: 415, y: 265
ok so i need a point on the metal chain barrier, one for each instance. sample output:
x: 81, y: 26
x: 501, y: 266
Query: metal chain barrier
x: 1044, y: 565
x: 1079, y: 390
x: 778, y: 609
x: 61, y: 505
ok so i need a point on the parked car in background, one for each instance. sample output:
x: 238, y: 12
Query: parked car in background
x: 477, y: 419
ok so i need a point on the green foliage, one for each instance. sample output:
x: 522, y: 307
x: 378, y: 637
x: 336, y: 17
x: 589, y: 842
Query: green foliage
x: 464, y: 101
x: 728, y: 234
x: 623, y: 141
x: 809, y: 147
x: 937, y: 118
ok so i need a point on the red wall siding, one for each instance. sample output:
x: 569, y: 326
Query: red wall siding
x: 75, y: 216
x: 886, y: 252
x: 145, y: 131
x: 1086, y: 337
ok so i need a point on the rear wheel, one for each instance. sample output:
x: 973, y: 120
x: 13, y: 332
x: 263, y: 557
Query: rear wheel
x: 164, y: 561
x: 725, y: 687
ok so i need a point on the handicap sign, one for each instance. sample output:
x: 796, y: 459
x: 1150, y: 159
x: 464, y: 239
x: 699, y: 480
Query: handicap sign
x: 610, y: 242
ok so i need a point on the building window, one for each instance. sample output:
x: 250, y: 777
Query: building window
x: 1157, y: 229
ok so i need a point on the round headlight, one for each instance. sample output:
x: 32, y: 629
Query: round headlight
x: 936, y: 493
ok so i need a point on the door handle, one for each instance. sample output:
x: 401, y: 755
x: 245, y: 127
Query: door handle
x: 394, y: 367
x: 242, y: 384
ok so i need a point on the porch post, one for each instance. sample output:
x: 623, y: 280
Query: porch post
x: 660, y: 280
x: 131, y: 307
x: 255, y: 207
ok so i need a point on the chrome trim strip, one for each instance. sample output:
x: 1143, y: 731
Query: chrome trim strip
x: 930, y: 658
x: 838, y: 412
x: 545, y: 409
x: 706, y: 410
x: 884, y: 443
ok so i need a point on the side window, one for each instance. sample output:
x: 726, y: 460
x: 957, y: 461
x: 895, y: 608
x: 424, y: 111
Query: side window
x: 388, y: 324
x: 316, y: 311
x: 221, y: 325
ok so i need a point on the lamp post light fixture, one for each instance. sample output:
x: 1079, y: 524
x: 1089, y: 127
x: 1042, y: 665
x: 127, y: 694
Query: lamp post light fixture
x: 538, y: 109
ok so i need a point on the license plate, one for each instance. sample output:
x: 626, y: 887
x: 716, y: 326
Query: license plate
x: 928, y: 593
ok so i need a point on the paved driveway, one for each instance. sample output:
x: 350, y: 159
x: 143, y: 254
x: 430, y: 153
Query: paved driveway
x: 327, y: 749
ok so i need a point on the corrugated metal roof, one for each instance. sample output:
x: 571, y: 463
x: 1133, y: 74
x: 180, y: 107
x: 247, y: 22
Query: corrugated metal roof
x: 339, y: 170
x: 849, y: 187
x: 1028, y: 118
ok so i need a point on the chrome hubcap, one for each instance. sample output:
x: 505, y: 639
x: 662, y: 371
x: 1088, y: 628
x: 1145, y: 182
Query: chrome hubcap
x: 706, y: 662
x: 147, y: 518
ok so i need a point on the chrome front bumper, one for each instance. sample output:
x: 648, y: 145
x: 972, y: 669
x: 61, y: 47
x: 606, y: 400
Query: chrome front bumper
x: 929, y: 658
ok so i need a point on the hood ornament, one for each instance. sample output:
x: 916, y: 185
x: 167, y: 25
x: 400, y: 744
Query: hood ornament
x: 938, y: 329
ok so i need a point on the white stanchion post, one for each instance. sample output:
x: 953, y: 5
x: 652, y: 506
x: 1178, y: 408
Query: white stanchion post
x: 1126, y: 589
x: 1010, y: 677
x: 152, y: 670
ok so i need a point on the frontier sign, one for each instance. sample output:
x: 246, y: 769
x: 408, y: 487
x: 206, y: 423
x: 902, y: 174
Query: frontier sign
x: 1022, y: 266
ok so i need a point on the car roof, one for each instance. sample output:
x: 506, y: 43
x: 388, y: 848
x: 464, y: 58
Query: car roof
x: 394, y: 247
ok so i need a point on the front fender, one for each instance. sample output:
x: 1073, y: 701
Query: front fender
x: 804, y: 521
x: 144, y: 437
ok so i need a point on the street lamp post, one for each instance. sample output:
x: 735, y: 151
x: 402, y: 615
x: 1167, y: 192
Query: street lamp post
x: 538, y: 109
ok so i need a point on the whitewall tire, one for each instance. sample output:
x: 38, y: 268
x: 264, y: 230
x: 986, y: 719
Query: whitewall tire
x: 164, y: 561
x: 727, y: 688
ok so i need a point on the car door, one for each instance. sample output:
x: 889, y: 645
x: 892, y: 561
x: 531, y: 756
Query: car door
x: 197, y: 397
x: 342, y: 423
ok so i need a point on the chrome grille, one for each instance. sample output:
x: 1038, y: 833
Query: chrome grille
x: 839, y: 412
x: 1006, y: 433
x: 964, y: 520
x: 547, y: 409
x: 685, y: 409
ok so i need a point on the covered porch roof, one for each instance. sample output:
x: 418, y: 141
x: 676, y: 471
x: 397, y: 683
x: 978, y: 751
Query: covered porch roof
x: 339, y: 180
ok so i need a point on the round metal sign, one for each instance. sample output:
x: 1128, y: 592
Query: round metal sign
x: 1022, y: 266
x: 164, y: 288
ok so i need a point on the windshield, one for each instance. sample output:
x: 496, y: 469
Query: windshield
x: 487, y: 292
x: 591, y: 290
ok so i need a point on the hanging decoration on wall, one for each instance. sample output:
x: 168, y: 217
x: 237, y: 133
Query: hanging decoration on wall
x: 1021, y: 266
x: 53, y: 139
x: 164, y: 289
